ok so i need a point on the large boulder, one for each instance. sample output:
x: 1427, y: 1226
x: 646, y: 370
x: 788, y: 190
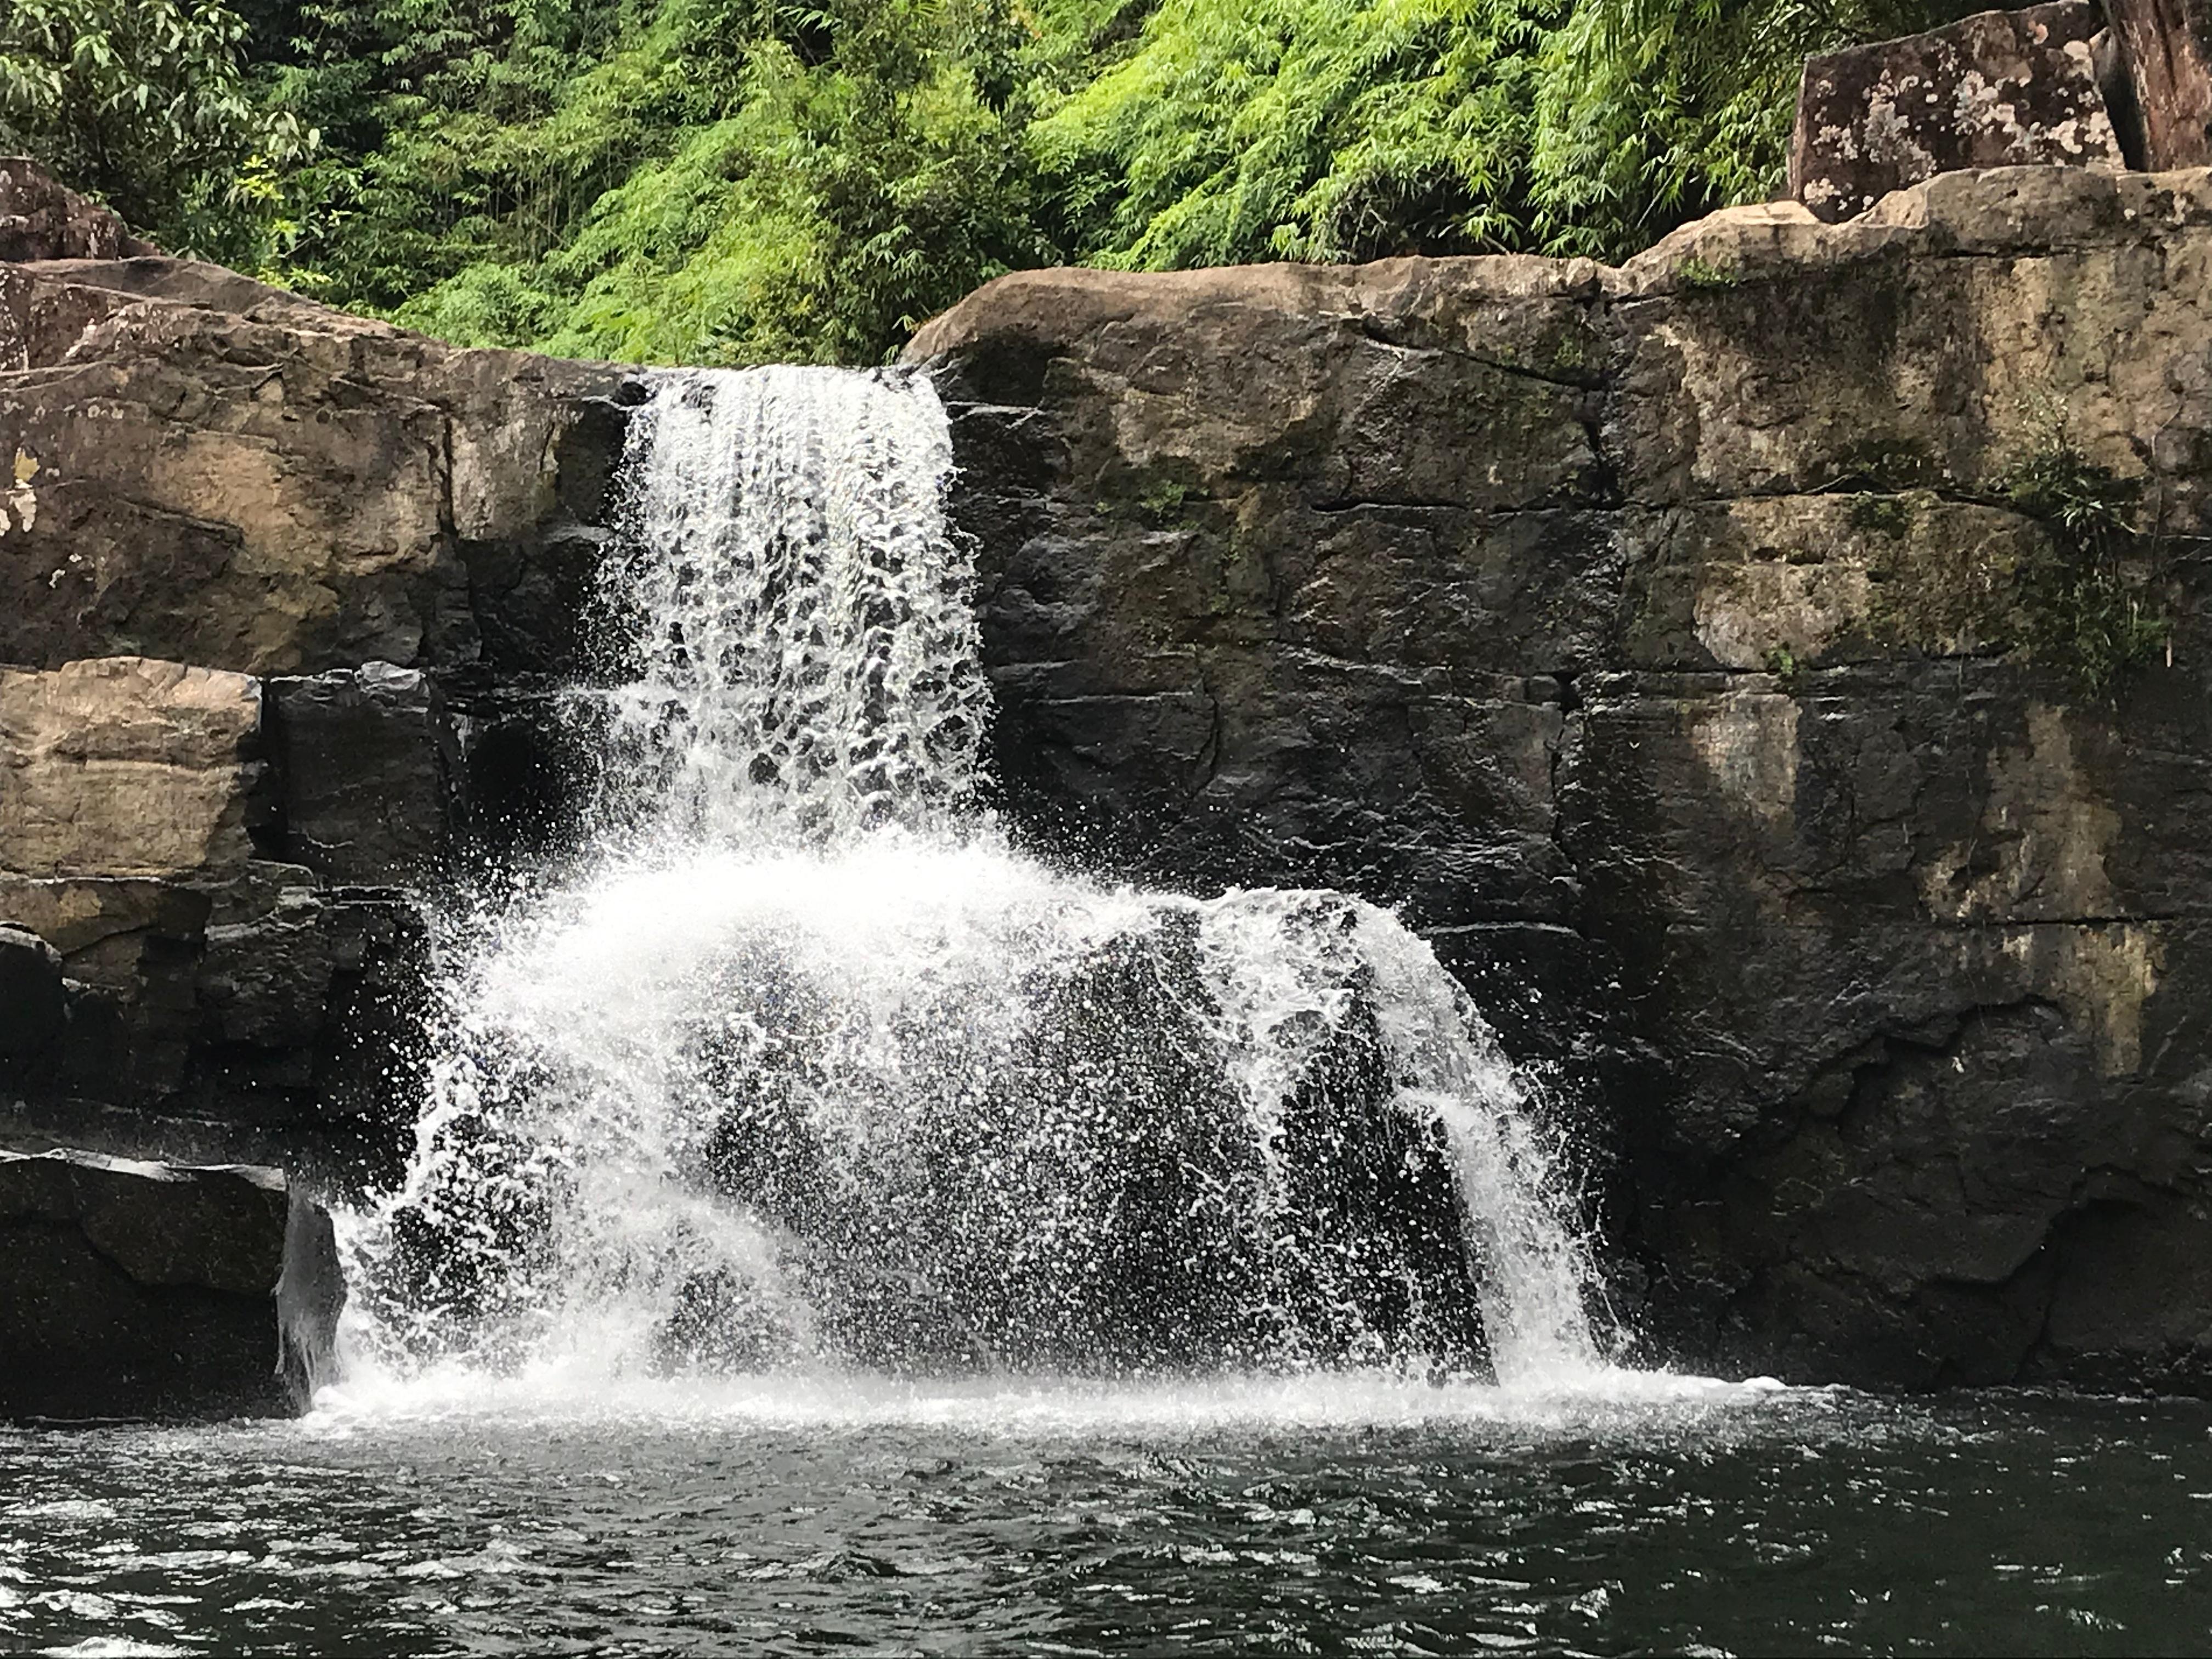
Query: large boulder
x: 1654, y: 637
x: 144, y: 1290
x: 196, y: 466
x: 2000, y: 88
x: 124, y: 767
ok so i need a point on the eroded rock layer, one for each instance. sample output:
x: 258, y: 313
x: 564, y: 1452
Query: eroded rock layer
x: 1653, y: 637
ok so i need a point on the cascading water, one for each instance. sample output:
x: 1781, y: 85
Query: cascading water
x: 809, y: 1070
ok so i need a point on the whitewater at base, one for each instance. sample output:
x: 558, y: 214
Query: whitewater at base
x: 808, y: 1091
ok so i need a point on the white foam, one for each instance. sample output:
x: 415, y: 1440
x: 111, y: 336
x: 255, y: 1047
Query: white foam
x: 1024, y: 1408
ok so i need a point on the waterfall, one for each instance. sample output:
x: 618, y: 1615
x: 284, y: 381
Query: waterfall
x: 809, y: 1069
x: 805, y: 646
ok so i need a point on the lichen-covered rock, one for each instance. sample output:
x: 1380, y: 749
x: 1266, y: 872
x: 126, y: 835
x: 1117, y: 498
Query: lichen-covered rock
x: 2000, y: 88
x: 146, y: 1290
x: 1673, y: 686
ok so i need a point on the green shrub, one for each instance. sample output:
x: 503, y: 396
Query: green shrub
x: 1331, y: 130
x: 731, y: 181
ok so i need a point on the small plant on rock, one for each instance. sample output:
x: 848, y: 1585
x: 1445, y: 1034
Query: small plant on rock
x: 1703, y: 274
x: 2091, y: 601
x: 1162, y: 501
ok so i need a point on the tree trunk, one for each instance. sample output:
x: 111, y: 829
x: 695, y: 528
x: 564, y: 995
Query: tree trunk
x: 2168, y: 47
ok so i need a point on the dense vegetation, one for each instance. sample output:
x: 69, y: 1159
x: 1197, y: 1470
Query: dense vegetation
x: 736, y: 181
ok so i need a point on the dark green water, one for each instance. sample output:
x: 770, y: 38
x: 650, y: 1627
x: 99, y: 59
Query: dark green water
x: 1350, y: 1517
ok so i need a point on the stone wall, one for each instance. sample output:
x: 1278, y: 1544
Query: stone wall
x: 1650, y: 636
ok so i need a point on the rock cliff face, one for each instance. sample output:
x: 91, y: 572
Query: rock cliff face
x: 1650, y: 635
x: 279, y: 588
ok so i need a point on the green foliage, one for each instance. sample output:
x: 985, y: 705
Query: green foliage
x: 2091, y: 602
x: 1163, y: 500
x: 1302, y: 129
x: 1351, y: 129
x: 145, y: 105
x: 1652, y: 112
x: 842, y: 205
x: 726, y: 181
x: 735, y: 180
x: 1697, y: 273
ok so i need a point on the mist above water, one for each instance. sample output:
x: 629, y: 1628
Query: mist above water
x: 809, y: 1073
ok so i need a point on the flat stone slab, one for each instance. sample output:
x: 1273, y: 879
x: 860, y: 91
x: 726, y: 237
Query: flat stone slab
x: 2000, y: 88
x: 131, y: 1288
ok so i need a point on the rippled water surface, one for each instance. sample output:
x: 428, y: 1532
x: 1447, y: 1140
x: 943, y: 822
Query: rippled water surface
x: 1350, y: 1516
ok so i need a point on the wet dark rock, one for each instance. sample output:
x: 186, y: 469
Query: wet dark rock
x: 270, y: 1008
x: 534, y: 594
x: 365, y: 757
x: 144, y: 1290
x: 1647, y: 636
x: 529, y: 754
x: 2000, y: 88
x: 1109, y: 1113
x: 32, y: 1004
